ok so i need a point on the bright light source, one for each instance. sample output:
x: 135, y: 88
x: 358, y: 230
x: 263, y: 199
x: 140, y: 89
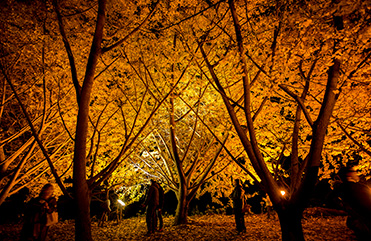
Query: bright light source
x: 121, y: 202
x: 283, y: 193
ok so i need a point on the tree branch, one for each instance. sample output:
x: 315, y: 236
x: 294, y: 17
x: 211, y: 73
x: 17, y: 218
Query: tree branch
x: 118, y: 43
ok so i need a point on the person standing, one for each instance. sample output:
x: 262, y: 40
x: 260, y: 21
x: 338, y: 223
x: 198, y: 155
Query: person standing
x: 237, y: 197
x: 269, y: 206
x: 160, y: 206
x: 357, y: 200
x: 152, y: 202
x: 106, y: 206
x: 35, y: 227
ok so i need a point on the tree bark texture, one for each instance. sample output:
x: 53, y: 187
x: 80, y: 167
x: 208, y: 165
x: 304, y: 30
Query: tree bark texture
x: 181, y: 213
x: 81, y: 188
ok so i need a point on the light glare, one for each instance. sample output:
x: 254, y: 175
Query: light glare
x: 121, y: 202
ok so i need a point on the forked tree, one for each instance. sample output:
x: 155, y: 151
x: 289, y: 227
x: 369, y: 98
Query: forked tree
x: 281, y: 59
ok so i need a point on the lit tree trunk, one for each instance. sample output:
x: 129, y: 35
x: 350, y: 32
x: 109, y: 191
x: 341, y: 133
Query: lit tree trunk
x: 185, y: 188
x: 181, y: 213
x: 182, y: 207
x: 185, y: 196
x: 81, y: 188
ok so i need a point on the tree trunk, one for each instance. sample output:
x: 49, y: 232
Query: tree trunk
x: 290, y: 221
x: 80, y: 184
x: 83, y: 222
x: 181, y: 213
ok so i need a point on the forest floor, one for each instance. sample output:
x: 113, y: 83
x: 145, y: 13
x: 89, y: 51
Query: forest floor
x: 211, y: 227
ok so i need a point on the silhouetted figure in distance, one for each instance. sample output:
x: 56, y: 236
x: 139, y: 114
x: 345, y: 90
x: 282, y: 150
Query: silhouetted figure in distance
x: 160, y: 206
x: 152, y: 202
x: 237, y: 197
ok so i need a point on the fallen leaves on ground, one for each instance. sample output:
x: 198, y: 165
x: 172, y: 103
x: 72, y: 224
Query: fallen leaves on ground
x: 200, y: 228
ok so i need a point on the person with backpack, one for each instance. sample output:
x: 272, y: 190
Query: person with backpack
x: 239, y: 201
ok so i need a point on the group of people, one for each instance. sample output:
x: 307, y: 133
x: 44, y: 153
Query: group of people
x: 356, y: 197
x: 154, y: 203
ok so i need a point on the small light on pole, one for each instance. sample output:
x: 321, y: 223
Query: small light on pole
x: 121, y: 202
x: 283, y: 192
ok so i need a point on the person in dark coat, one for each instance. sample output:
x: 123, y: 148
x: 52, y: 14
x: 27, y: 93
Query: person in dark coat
x: 237, y: 197
x: 35, y: 227
x: 160, y: 206
x: 152, y: 202
x: 357, y: 202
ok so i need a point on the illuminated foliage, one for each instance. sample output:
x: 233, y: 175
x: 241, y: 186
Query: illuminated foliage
x: 270, y: 62
x: 26, y: 64
x: 298, y: 57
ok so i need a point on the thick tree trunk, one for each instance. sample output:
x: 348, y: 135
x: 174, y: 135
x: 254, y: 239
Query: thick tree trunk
x: 83, y: 222
x: 290, y: 221
x: 181, y: 213
x: 82, y: 196
x: 80, y: 184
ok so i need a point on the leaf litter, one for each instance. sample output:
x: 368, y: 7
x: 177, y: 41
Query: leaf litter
x: 213, y: 227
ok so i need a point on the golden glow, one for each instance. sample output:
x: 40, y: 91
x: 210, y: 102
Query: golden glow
x: 283, y: 193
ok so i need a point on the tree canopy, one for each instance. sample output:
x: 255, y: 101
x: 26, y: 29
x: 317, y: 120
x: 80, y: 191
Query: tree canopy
x: 89, y: 86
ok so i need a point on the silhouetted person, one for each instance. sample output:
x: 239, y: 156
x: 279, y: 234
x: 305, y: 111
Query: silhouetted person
x: 269, y: 206
x: 35, y: 227
x: 237, y: 197
x: 152, y: 202
x: 160, y: 206
x: 357, y: 199
x: 106, y: 205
